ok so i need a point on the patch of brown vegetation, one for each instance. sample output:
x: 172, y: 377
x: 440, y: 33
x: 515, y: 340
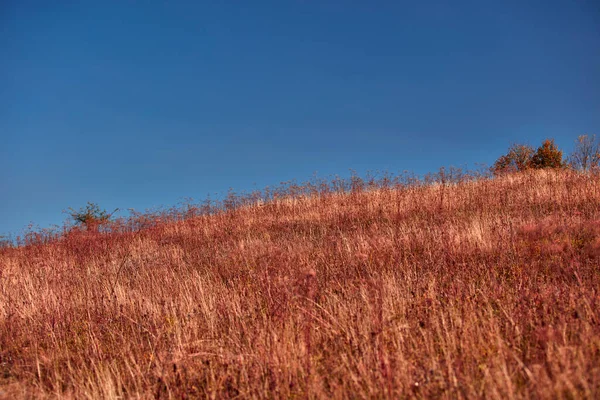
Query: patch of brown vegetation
x: 476, y: 289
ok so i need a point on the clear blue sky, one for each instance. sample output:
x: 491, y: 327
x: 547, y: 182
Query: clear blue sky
x: 136, y: 104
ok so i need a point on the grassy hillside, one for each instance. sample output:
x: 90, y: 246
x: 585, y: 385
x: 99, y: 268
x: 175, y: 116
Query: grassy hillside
x: 476, y: 289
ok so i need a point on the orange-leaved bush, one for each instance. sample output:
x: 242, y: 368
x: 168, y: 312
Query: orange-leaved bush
x: 547, y: 156
x: 517, y: 159
x: 522, y: 157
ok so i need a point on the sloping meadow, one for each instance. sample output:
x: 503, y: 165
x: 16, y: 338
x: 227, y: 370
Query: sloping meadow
x: 486, y: 288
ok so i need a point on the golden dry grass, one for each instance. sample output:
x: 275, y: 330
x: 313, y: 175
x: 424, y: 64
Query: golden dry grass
x: 486, y: 289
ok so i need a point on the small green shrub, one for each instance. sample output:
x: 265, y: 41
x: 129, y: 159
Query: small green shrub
x: 91, y: 216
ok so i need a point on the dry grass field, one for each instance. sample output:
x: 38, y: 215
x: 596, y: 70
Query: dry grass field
x: 484, y: 288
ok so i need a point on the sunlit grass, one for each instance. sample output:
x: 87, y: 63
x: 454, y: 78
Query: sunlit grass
x: 485, y: 288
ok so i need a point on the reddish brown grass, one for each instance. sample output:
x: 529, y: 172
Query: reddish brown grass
x: 471, y: 290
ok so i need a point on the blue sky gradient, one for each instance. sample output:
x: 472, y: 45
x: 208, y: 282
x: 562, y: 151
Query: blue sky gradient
x: 141, y: 104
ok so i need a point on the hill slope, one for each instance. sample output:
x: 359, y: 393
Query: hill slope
x: 479, y: 289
